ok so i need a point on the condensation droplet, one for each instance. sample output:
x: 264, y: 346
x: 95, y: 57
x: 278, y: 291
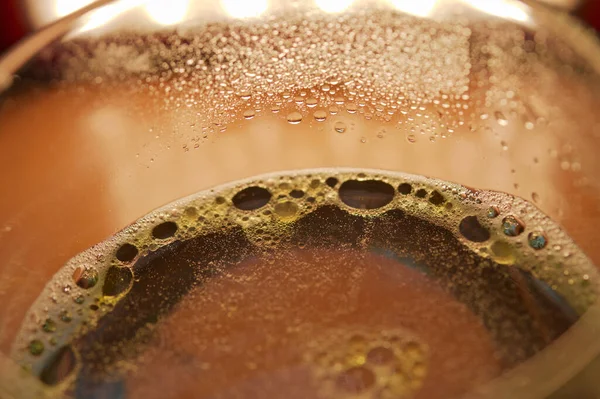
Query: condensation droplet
x: 320, y: 115
x: 294, y: 118
x: 249, y: 114
x: 340, y: 127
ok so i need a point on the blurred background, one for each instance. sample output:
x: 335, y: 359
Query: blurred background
x: 18, y: 18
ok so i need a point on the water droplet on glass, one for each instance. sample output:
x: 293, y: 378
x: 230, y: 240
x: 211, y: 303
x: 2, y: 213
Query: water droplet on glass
x: 311, y: 102
x: 340, y: 127
x: 411, y: 138
x: 351, y: 108
x: 320, y: 115
x: 249, y: 114
x: 294, y: 118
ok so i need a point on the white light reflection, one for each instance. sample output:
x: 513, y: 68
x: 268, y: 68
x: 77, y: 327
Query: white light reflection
x: 333, y: 5
x: 95, y: 18
x: 418, y: 8
x: 167, y: 13
x: 501, y: 8
x: 244, y: 8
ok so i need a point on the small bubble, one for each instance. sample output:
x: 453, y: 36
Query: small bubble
x: 340, y: 127
x: 504, y: 145
x: 164, y: 230
x: 126, y: 253
x: 333, y: 110
x: 537, y: 240
x: 294, y: 118
x: 331, y: 182
x: 79, y: 299
x: 320, y: 115
x: 286, y: 210
x: 85, y: 277
x: 503, y: 253
x: 249, y: 114
x: 296, y: 193
x: 411, y: 138
x: 275, y: 109
x: 421, y: 193
x: 404, y: 188
x: 472, y: 230
x: 493, y: 212
x: 117, y: 281
x: 366, y: 194
x: 59, y: 366
x: 36, y: 347
x: 512, y: 226
x: 251, y: 198
x: 535, y: 197
x: 351, y: 108
x: 49, y: 326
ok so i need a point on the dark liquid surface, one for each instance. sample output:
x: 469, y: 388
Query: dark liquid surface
x: 315, y: 285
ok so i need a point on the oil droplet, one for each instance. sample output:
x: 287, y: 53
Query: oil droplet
x: 249, y: 114
x: 340, y: 127
x: 537, y: 240
x: 320, y: 115
x: 500, y: 118
x: 36, y: 347
x: 512, y: 226
x: 294, y: 118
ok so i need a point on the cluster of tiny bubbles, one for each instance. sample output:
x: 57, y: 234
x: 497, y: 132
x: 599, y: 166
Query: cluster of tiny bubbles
x: 365, y: 364
x: 266, y: 208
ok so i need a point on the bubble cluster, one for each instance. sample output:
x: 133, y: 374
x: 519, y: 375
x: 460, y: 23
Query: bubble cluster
x: 388, y: 364
x: 479, y: 234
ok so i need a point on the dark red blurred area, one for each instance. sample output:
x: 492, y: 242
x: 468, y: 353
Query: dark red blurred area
x: 14, y: 25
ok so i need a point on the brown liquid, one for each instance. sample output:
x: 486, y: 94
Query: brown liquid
x: 313, y: 284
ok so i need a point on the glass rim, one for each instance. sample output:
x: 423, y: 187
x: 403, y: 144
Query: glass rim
x: 541, y: 372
